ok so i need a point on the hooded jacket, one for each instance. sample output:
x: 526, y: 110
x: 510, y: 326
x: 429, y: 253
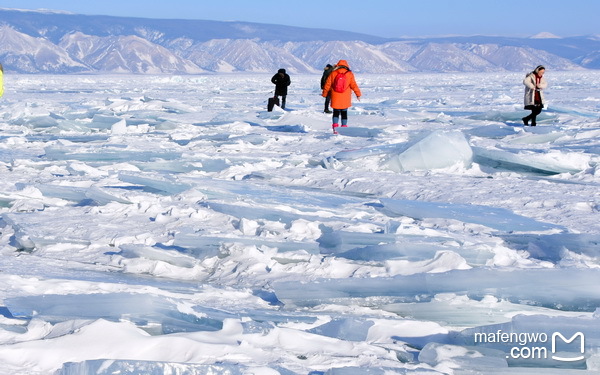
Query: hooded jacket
x: 281, y: 80
x: 530, y: 88
x: 326, y: 72
x: 341, y: 100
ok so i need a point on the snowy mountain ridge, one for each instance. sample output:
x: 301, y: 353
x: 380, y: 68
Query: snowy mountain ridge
x: 57, y: 42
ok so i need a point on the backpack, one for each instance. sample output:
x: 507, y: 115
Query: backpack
x: 339, y: 82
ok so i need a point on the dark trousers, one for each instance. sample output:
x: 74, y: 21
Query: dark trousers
x: 327, y: 101
x: 282, y: 100
x: 535, y: 110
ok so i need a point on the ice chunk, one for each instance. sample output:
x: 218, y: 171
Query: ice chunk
x: 439, y: 149
x: 351, y: 329
x: 169, y: 256
x: 106, y: 155
x: 382, y: 246
x: 163, y: 183
x: 77, y: 194
x: 437, y: 355
x: 29, y: 234
x: 100, y: 121
x: 253, y: 212
x: 70, y: 193
x: 462, y: 311
x: 208, y: 246
x: 119, y: 127
x: 80, y: 138
x: 553, y: 288
x: 144, y: 310
x: 336, y: 242
x: 552, y: 246
x: 43, y: 122
x: 541, y: 163
x: 493, y: 217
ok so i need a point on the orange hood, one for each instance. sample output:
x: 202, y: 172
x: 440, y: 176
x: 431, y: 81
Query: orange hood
x: 343, y: 62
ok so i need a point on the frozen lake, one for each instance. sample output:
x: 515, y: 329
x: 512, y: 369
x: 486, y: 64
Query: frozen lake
x: 171, y: 225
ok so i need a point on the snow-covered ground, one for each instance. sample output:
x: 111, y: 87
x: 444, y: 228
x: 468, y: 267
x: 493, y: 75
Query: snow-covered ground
x: 171, y: 225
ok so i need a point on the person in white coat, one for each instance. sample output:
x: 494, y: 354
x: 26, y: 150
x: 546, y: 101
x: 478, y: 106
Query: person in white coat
x: 534, y: 83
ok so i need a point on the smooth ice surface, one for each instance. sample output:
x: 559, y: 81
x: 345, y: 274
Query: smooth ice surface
x: 170, y: 224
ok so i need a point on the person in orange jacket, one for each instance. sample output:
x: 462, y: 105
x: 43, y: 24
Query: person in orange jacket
x: 341, y: 89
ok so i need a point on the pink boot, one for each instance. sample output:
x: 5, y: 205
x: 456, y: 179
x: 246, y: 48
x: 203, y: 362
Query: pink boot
x: 334, y: 127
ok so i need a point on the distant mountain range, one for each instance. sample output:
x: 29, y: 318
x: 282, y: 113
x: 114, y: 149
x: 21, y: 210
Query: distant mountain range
x: 55, y: 42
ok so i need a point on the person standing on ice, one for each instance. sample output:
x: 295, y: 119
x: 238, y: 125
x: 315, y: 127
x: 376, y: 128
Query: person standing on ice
x: 281, y: 80
x: 326, y: 72
x: 340, y: 84
x: 534, y: 98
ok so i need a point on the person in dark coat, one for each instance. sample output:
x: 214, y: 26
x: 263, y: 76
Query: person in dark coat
x: 281, y: 80
x: 326, y: 72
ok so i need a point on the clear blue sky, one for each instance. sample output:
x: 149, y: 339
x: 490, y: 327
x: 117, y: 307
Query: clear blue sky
x: 387, y: 18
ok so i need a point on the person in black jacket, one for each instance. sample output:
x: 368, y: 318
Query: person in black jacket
x: 326, y: 72
x: 281, y: 81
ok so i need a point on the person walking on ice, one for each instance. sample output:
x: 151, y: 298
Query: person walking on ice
x: 534, y: 98
x: 340, y: 84
x: 326, y: 72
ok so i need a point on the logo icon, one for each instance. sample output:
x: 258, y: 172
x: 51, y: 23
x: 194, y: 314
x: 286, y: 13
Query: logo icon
x: 556, y: 335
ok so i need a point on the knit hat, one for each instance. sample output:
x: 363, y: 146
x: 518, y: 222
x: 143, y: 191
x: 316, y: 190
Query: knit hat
x: 281, y: 71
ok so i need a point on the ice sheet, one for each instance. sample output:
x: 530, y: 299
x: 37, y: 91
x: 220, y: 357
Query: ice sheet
x: 188, y: 229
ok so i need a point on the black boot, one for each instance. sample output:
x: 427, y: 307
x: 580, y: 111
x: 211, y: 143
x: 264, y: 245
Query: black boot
x: 525, y: 121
